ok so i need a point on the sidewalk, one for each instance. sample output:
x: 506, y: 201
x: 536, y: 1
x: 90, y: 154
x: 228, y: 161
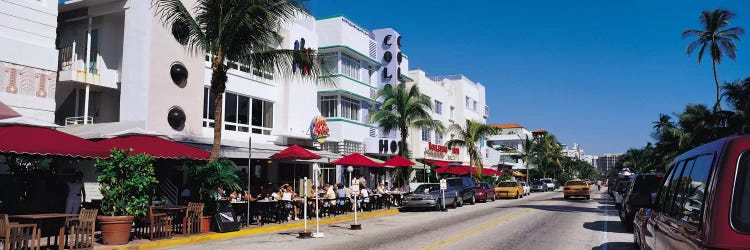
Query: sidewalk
x: 268, y: 228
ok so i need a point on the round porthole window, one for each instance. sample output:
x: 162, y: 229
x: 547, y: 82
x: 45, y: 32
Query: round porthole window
x: 176, y: 118
x: 387, y: 56
x: 399, y: 57
x: 179, y: 74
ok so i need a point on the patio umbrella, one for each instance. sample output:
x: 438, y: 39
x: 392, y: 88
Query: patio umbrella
x: 398, y: 161
x: 7, y: 112
x: 155, y: 146
x: 24, y: 139
x: 357, y: 159
x: 295, y: 152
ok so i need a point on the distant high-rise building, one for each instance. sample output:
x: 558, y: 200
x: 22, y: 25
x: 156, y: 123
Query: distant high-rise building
x: 605, y: 162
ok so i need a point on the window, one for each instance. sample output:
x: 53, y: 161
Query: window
x: 350, y: 108
x: 426, y: 134
x: 694, y: 188
x: 350, y: 147
x: 451, y: 112
x: 474, y: 107
x: 350, y: 66
x: 741, y: 201
x: 438, y: 107
x: 438, y: 138
x: 329, y: 63
x: 666, y: 194
x: 329, y: 106
x: 468, y: 103
x: 208, y: 108
x: 262, y: 116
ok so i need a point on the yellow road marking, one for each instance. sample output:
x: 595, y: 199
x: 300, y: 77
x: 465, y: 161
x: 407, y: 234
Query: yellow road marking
x: 177, y: 241
x: 475, y: 230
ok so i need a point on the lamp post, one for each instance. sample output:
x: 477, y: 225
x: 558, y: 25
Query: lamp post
x: 305, y: 234
x: 355, y: 192
x: 427, y: 175
x: 316, y: 173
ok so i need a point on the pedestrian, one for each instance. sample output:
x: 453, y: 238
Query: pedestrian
x: 76, y: 193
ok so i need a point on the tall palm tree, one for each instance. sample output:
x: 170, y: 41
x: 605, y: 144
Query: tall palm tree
x: 403, y: 108
x: 527, y: 154
x: 720, y: 41
x: 245, y: 31
x: 468, y: 137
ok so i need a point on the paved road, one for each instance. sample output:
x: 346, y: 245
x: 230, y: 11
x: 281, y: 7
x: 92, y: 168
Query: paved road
x: 539, y: 221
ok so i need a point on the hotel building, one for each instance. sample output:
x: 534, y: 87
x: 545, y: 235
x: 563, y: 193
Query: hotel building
x: 509, y: 144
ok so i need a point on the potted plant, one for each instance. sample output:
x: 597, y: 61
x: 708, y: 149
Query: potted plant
x: 127, y: 184
x: 209, y: 178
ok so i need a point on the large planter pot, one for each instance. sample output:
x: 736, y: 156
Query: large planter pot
x: 115, y: 229
x: 206, y: 224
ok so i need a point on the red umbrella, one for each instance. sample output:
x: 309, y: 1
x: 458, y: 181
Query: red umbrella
x: 398, y: 161
x: 7, y: 112
x: 295, y: 152
x: 155, y: 146
x: 357, y: 159
x: 21, y: 139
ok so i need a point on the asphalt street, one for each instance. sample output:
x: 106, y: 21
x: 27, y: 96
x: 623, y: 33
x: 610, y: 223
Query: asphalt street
x: 538, y: 221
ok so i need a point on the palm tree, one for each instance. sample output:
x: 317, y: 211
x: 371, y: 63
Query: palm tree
x: 404, y: 108
x: 468, y: 137
x: 719, y: 41
x: 236, y: 31
x: 527, y: 154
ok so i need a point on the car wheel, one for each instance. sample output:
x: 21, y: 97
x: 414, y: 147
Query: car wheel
x: 460, y: 202
x: 454, y: 204
x: 473, y: 200
x: 588, y: 197
x: 437, y: 205
x: 516, y: 197
x: 566, y: 197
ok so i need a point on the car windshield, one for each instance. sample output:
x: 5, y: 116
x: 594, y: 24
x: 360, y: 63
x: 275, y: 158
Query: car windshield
x: 479, y: 186
x: 537, y: 183
x: 741, y: 200
x: 454, y: 182
x: 576, y: 183
x: 506, y: 184
x: 547, y: 181
x: 522, y: 183
x: 427, y: 187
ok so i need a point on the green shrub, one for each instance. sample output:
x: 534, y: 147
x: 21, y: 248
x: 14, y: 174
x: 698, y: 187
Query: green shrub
x: 209, y: 177
x: 126, y: 182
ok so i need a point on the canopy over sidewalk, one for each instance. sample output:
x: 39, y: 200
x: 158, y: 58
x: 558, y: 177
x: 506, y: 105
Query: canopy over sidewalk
x: 24, y: 139
x: 155, y: 146
x: 357, y: 159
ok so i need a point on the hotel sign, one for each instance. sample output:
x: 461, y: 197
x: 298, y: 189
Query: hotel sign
x: 384, y: 146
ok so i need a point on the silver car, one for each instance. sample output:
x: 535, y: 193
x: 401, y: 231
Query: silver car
x: 429, y: 196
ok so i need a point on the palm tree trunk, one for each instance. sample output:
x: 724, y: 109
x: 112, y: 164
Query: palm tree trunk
x: 403, y: 151
x: 717, y: 106
x: 218, y: 85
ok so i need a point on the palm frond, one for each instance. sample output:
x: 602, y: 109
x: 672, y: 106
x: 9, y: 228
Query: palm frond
x: 176, y: 18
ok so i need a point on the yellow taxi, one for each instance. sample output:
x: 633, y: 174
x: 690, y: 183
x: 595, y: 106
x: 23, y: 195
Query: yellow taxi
x: 508, y: 189
x: 588, y: 182
x: 576, y: 187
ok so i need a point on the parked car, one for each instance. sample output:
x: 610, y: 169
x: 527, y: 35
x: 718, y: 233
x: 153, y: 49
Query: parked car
x: 611, y: 186
x: 484, y: 191
x: 428, y: 195
x: 465, y: 187
x: 576, y: 188
x: 704, y: 200
x: 508, y: 189
x: 550, y: 184
x: 641, y: 186
x: 538, y: 186
x: 526, y: 188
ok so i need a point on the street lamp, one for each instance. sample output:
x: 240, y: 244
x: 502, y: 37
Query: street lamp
x: 427, y: 175
x: 355, y: 192
x: 317, y: 174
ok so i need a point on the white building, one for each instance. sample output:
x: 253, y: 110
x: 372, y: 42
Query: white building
x: 28, y: 57
x: 575, y: 152
x: 510, y: 143
x: 455, y: 99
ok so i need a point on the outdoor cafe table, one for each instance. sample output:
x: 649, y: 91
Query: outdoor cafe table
x: 176, y: 212
x: 38, y: 219
x: 240, y: 210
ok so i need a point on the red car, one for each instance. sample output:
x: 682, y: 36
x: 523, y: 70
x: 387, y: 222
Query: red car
x: 703, y: 202
x: 483, y: 191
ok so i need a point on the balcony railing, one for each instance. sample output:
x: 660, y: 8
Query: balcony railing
x: 78, y: 120
x: 72, y: 64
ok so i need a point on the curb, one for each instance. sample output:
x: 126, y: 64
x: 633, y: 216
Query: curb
x: 246, y: 232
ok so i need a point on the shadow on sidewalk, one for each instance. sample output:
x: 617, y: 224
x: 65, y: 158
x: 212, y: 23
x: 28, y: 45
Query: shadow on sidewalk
x: 615, y: 246
x: 612, y: 226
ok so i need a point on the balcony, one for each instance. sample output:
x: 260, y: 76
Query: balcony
x: 73, y: 68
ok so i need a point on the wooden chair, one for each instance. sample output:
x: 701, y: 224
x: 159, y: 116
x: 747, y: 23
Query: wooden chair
x: 81, y: 229
x: 191, y: 224
x: 159, y: 225
x: 18, y: 236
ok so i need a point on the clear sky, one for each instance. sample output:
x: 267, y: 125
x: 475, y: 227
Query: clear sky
x: 591, y: 72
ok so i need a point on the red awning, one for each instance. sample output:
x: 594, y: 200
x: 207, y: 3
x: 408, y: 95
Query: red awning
x: 155, y: 146
x: 7, y: 112
x: 439, y: 163
x: 460, y: 170
x: 295, y: 152
x: 398, y: 161
x: 357, y: 159
x: 20, y: 139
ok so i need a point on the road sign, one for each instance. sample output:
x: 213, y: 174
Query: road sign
x: 443, y: 184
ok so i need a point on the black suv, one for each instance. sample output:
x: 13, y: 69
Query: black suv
x: 638, y: 196
x: 465, y: 188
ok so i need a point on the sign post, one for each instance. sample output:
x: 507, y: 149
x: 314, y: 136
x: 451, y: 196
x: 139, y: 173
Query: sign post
x: 443, y: 187
x: 305, y: 234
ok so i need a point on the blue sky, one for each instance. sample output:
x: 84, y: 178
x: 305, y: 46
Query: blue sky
x: 591, y: 72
